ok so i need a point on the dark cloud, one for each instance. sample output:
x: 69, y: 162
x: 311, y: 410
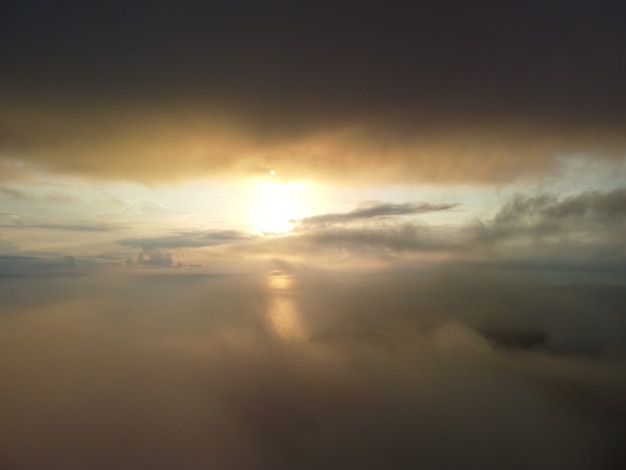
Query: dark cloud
x: 431, y: 91
x: 395, y: 370
x: 374, y: 211
x: 360, y: 52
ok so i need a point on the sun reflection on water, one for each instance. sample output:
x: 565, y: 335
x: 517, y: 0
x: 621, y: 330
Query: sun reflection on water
x: 282, y: 313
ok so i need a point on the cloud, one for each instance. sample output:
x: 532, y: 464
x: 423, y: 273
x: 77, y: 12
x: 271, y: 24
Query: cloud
x: 15, y: 221
x: 9, y: 219
x: 439, y: 93
x: 188, y: 239
x: 13, y: 193
x: 374, y: 211
x: 56, y: 196
x: 148, y: 208
x: 321, y: 246
x: 61, y: 197
x: 18, y: 265
x: 22, y: 264
x: 87, y: 227
x: 397, y: 372
x: 6, y: 245
x: 13, y: 170
x: 141, y: 148
x: 586, y: 223
x: 581, y: 233
x: 398, y: 237
x: 594, y: 205
x: 155, y: 258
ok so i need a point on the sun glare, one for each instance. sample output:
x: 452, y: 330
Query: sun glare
x: 282, y: 311
x: 278, y: 205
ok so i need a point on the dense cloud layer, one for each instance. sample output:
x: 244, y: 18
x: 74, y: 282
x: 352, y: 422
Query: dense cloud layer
x: 318, y: 370
x: 430, y: 91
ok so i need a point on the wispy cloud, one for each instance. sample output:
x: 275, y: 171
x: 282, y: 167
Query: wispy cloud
x: 56, y: 196
x: 86, y: 227
x: 374, y: 211
x: 188, y: 239
x: 10, y: 219
x: 13, y: 193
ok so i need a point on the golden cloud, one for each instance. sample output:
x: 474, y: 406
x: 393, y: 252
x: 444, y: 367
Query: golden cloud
x: 157, y: 144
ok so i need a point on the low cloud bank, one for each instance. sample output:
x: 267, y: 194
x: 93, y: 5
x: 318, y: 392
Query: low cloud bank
x: 439, y: 370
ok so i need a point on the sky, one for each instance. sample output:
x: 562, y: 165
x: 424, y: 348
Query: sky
x: 269, y: 234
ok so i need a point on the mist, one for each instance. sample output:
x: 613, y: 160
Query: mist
x: 439, y: 369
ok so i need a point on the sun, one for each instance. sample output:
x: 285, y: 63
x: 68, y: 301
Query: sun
x: 277, y: 206
x: 276, y: 213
